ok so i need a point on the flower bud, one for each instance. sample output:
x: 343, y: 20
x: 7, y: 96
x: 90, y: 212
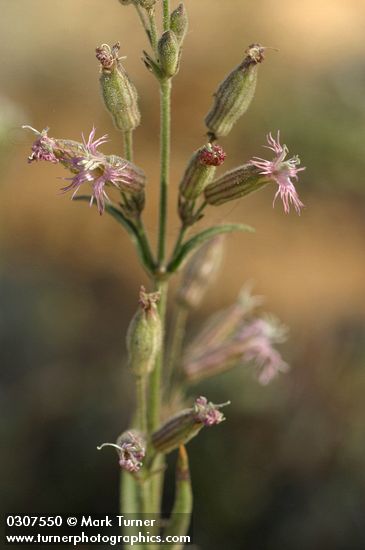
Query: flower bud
x: 169, y: 53
x: 235, y: 94
x: 186, y: 424
x: 179, y: 23
x: 131, y: 447
x: 119, y: 93
x: 235, y: 184
x: 200, y: 272
x: 200, y: 170
x: 144, y: 334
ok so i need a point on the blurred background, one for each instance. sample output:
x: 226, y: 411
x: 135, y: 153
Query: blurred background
x: 286, y: 471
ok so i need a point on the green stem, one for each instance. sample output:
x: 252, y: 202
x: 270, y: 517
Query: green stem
x: 143, y: 20
x: 128, y: 145
x: 201, y: 208
x: 181, y: 513
x: 141, y: 403
x: 165, y: 95
x: 166, y: 15
x: 129, y: 503
x: 155, y: 377
x: 153, y: 29
x: 179, y: 240
x: 154, y: 406
x: 145, y: 244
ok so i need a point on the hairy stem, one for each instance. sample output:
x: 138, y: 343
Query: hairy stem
x: 129, y: 503
x: 165, y: 98
x: 128, y: 145
x: 154, y: 406
x: 143, y: 21
x: 179, y: 240
x: 145, y: 242
x: 155, y: 377
x: 166, y: 15
x: 141, y: 387
x: 153, y: 29
x: 181, y: 513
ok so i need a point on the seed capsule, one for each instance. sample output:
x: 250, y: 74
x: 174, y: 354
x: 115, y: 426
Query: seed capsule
x: 169, y: 53
x: 235, y: 184
x: 200, y: 170
x: 235, y: 94
x: 144, y: 335
x: 186, y: 424
x: 119, y: 93
x: 179, y: 23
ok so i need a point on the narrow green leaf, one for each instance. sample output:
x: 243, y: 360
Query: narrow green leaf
x: 114, y: 212
x: 201, y: 238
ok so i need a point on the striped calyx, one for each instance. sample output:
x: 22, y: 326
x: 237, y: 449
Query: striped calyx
x: 235, y: 184
x: 201, y: 170
x: 235, y: 94
x: 119, y: 93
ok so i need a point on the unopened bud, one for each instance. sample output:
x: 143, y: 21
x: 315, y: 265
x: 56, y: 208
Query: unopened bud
x: 235, y: 94
x: 200, y: 272
x: 119, y: 93
x: 144, y: 334
x: 179, y: 23
x: 186, y: 424
x: 131, y: 447
x: 235, y: 184
x: 169, y: 53
x: 200, y: 170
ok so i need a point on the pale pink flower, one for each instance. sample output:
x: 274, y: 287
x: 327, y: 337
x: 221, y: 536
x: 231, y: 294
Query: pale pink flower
x: 131, y: 448
x: 252, y: 341
x: 43, y: 147
x: 207, y: 413
x: 259, y: 337
x: 88, y: 165
x: 131, y: 454
x: 282, y: 172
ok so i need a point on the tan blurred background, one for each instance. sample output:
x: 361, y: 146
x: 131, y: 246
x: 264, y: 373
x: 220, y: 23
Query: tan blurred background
x: 70, y: 278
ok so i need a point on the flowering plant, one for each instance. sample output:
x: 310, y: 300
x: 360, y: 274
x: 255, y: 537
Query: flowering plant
x: 162, y: 365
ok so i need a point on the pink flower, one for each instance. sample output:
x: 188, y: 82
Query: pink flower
x: 282, y: 172
x: 258, y: 338
x: 252, y: 341
x: 212, y: 155
x: 131, y: 454
x: 131, y: 448
x: 42, y: 148
x: 89, y: 165
x: 207, y: 413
